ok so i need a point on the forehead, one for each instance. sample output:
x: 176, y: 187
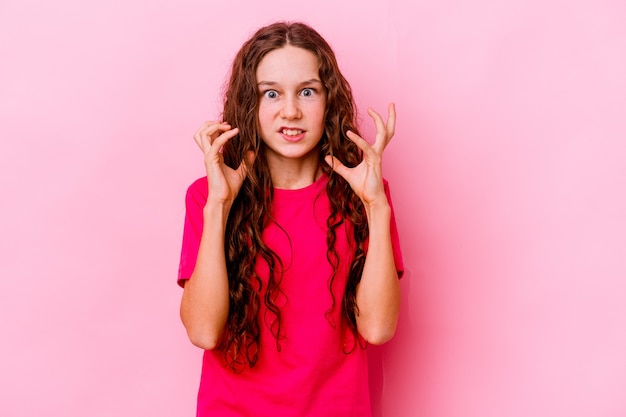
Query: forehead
x: 288, y: 64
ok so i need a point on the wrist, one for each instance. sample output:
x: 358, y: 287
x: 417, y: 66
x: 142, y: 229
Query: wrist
x: 217, y: 209
x: 378, y: 209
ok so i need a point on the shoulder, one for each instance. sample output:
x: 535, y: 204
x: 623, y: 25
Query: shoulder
x: 386, y: 185
x: 198, y: 192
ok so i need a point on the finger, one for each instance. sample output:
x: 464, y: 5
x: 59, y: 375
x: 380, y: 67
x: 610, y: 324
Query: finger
x: 203, y: 139
x: 370, y: 154
x: 206, y: 126
x: 391, y: 121
x: 208, y: 123
x: 223, y: 138
x: 213, y: 131
x: 207, y: 133
x: 359, y: 141
x: 378, y: 120
x: 250, y: 156
x: 245, y: 165
x: 337, y: 166
x: 381, y: 129
x: 212, y: 127
x: 197, y: 139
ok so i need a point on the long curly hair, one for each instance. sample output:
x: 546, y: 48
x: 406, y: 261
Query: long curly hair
x: 251, y: 209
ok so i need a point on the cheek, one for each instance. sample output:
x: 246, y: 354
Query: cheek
x: 319, y: 112
x: 264, y: 117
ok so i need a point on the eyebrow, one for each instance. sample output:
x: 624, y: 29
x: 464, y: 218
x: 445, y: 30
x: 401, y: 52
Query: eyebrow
x: 273, y: 83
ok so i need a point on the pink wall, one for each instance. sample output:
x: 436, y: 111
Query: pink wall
x: 507, y: 172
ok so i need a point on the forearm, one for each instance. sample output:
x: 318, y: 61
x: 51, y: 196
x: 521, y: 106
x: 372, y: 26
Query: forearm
x: 378, y: 294
x: 205, y: 301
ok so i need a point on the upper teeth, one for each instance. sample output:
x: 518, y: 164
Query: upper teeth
x: 292, y: 132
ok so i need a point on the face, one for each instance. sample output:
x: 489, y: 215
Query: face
x: 292, y: 105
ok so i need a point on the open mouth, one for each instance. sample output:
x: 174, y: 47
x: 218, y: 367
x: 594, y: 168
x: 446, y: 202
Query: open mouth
x: 292, y: 132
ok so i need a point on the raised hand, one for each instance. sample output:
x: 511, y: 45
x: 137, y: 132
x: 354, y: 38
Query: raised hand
x: 366, y: 178
x: 224, y: 182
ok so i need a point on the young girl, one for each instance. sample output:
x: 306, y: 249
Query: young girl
x: 290, y: 257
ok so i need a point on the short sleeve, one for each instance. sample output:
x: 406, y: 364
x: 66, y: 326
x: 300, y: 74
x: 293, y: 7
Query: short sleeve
x: 395, y: 239
x: 195, y: 201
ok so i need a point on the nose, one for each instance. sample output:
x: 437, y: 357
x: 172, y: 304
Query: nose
x: 290, y: 109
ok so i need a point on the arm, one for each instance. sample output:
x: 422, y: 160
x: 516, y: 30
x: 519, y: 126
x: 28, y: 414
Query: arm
x: 205, y: 301
x: 378, y: 293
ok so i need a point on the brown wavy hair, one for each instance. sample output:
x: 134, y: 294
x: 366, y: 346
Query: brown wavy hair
x: 250, y: 212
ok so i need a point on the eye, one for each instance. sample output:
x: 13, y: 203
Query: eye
x: 270, y: 94
x: 307, y: 92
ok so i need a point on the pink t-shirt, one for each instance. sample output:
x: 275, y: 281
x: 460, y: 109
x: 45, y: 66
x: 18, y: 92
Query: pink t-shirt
x: 311, y: 375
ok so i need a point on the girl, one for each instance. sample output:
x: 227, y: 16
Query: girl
x: 290, y: 257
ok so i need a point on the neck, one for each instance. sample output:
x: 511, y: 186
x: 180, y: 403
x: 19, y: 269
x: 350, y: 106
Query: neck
x: 292, y: 176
